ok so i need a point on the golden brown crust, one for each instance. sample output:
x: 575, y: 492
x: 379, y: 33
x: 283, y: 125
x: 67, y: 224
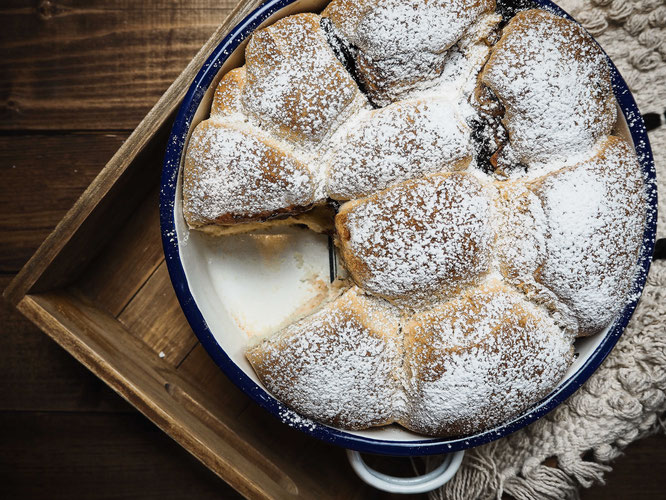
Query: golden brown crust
x: 346, y: 15
x: 295, y: 84
x: 570, y: 239
x: 476, y: 361
x: 399, y: 43
x: 553, y: 82
x: 403, y: 141
x: 339, y: 365
x: 233, y: 176
x: 594, y: 213
x: 419, y: 240
x: 482, y: 346
x: 227, y: 94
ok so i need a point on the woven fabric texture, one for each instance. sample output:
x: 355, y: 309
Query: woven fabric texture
x: 624, y: 400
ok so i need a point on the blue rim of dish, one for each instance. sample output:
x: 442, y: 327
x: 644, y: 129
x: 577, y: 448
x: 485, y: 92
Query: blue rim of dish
x: 171, y: 167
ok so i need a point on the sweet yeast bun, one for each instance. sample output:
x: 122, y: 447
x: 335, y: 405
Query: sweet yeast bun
x: 405, y: 140
x: 227, y: 98
x: 571, y: 237
x: 291, y: 84
x: 553, y: 82
x: 232, y: 175
x: 465, y: 364
x: 475, y: 361
x: 252, y: 159
x: 594, y: 229
x: 340, y: 365
x: 419, y: 240
x: 398, y: 43
x: 295, y: 86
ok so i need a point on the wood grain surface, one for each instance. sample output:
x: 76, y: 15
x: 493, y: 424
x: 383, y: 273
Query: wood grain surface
x: 75, y: 78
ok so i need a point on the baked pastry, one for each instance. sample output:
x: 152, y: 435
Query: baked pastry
x: 581, y: 213
x: 473, y: 361
x: 233, y: 175
x: 405, y: 140
x: 251, y: 161
x: 341, y: 363
x: 396, y: 44
x: 485, y: 214
x: 553, y: 82
x: 447, y: 372
x: 294, y: 85
x: 422, y: 239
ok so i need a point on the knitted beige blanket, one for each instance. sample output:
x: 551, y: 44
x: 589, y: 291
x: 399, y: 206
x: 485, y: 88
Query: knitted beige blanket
x: 624, y: 400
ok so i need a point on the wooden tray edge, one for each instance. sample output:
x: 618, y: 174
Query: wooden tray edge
x: 116, y: 166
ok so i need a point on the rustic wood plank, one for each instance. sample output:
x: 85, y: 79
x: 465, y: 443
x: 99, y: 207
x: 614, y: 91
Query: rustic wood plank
x: 73, y: 456
x: 313, y: 468
x: 60, y: 255
x: 275, y: 438
x: 154, y: 315
x: 200, y: 370
x: 127, y: 262
x: 222, y: 397
x: 42, y: 176
x: 225, y: 402
x: 37, y: 374
x: 96, y: 216
x: 126, y: 364
x: 75, y: 64
x: 639, y: 473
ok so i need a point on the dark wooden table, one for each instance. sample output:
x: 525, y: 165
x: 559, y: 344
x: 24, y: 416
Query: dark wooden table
x: 75, y: 78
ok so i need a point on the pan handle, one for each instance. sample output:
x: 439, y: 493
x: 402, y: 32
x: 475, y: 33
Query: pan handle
x: 418, y: 484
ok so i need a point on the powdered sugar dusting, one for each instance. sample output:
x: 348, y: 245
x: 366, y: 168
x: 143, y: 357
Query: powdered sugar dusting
x: 339, y: 365
x: 520, y: 242
x: 554, y: 83
x: 226, y: 101
x: 419, y: 240
x: 470, y: 286
x: 297, y: 421
x: 402, y: 42
x: 475, y: 361
x: 231, y: 175
x: 521, y: 248
x: 594, y: 226
x: 295, y: 85
x: 399, y: 142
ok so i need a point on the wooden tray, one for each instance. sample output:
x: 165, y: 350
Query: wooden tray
x: 99, y: 286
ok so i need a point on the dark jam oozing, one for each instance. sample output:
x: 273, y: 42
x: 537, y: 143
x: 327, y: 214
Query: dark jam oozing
x: 484, y: 145
x: 345, y: 53
x: 488, y: 133
x: 509, y: 8
x: 334, y: 204
x: 341, y: 50
x: 489, y: 138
